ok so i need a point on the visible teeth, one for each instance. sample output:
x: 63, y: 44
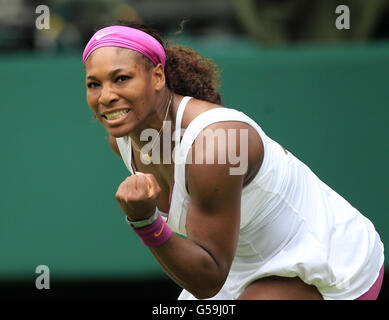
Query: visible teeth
x: 116, y: 114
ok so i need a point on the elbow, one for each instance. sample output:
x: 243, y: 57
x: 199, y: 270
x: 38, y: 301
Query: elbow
x: 205, y: 294
x: 212, y: 281
x: 208, y: 290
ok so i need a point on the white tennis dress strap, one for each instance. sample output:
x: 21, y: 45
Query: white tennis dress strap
x: 179, y: 115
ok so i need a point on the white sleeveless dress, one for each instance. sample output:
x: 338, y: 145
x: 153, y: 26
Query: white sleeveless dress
x: 292, y: 224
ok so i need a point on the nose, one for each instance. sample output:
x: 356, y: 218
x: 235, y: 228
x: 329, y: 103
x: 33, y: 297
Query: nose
x: 107, y: 96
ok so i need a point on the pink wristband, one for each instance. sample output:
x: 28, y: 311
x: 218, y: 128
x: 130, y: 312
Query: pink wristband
x: 154, y: 234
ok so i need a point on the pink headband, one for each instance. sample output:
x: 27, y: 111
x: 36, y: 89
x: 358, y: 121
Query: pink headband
x: 126, y: 37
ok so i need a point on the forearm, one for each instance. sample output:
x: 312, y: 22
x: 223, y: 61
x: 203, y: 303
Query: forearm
x: 201, y: 263
x: 191, y: 266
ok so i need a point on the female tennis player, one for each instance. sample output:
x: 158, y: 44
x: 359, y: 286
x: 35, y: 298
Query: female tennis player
x: 264, y: 228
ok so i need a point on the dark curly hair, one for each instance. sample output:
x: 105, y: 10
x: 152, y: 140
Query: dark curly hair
x: 187, y: 72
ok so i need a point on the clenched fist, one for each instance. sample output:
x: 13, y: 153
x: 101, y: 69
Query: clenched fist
x: 138, y: 195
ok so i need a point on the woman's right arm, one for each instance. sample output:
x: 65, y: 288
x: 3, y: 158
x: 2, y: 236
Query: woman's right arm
x: 114, y: 146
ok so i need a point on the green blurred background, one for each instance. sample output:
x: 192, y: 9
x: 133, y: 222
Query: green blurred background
x: 325, y: 101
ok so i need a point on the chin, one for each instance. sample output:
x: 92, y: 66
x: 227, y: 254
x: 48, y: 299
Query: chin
x: 119, y: 132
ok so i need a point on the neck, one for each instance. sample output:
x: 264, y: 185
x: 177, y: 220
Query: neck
x: 159, y: 124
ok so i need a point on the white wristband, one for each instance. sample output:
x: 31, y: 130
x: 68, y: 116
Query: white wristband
x: 145, y: 222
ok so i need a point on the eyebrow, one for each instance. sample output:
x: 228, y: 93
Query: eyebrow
x: 111, y: 74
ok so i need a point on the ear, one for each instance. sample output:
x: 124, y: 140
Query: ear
x: 158, y: 77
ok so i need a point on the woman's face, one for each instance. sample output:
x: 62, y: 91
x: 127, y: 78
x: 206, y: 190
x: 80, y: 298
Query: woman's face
x: 120, y: 91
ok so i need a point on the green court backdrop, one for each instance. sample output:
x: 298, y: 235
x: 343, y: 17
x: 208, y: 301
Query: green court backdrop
x: 328, y: 105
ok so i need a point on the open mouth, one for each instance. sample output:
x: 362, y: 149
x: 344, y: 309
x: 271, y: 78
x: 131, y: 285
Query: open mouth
x: 116, y: 114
